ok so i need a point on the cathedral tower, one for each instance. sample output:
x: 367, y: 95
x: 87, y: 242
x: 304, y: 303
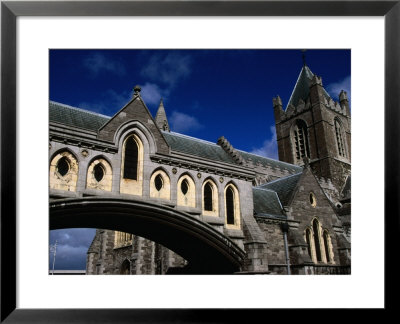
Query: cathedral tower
x: 315, y: 129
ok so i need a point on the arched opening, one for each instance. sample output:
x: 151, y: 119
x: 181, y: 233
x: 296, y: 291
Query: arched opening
x: 230, y: 206
x: 98, y: 172
x: 208, y: 197
x: 63, y: 166
x: 339, y: 138
x: 99, y: 175
x: 316, y: 240
x: 158, y: 182
x: 131, y: 159
x: 125, y: 268
x: 64, y: 171
x: 207, y: 250
x: 308, y: 240
x: 301, y: 140
x: 326, y: 245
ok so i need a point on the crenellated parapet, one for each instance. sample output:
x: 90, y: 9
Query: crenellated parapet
x: 228, y: 148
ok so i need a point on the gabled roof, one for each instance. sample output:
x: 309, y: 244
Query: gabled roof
x: 266, y: 202
x: 268, y: 162
x: 87, y: 120
x: 284, y: 187
x: 75, y: 117
x: 193, y: 146
x: 302, y: 88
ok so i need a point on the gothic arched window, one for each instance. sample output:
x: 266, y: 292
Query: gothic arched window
x: 308, y: 240
x: 64, y: 171
x: 208, y: 197
x: 160, y: 185
x: 186, y: 191
x: 232, y: 208
x: 326, y: 245
x: 339, y: 138
x: 301, y: 140
x: 317, y: 245
x: 131, y: 159
x: 99, y: 175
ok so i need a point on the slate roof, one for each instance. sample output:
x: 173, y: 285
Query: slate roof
x: 267, y: 162
x: 302, y: 88
x: 283, y: 187
x: 266, y: 202
x: 75, y: 117
x: 193, y: 146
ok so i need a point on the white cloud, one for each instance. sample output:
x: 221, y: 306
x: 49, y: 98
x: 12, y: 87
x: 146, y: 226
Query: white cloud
x: 181, y: 122
x: 335, y: 88
x: 168, y: 69
x: 152, y: 93
x: 269, y: 147
x: 97, y: 63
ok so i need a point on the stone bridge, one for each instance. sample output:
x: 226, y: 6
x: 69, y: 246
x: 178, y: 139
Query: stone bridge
x: 206, y: 249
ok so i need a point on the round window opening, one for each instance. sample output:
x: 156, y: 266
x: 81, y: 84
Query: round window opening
x: 184, y: 187
x: 313, y: 200
x: 158, y: 182
x: 98, y: 172
x: 63, y: 166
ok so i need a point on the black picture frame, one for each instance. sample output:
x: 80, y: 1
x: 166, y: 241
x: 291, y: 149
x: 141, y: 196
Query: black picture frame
x: 10, y: 10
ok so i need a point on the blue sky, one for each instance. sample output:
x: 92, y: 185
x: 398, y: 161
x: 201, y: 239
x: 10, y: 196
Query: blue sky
x: 206, y: 94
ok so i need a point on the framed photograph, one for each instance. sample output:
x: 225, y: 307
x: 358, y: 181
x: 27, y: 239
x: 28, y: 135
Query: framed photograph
x: 158, y: 32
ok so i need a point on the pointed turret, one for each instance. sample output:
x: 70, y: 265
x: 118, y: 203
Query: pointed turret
x: 161, y: 118
x: 301, y: 90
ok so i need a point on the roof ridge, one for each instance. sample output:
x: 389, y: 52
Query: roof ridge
x: 80, y: 109
x: 268, y: 158
x: 265, y: 189
x: 283, y: 178
x: 191, y: 137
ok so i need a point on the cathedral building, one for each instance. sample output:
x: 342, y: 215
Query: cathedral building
x: 290, y: 216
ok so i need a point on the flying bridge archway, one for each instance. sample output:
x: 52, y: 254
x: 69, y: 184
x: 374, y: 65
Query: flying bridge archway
x: 207, y: 250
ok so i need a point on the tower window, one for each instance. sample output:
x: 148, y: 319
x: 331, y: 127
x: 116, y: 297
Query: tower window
x: 339, y: 139
x: 301, y: 140
x: 63, y: 166
x: 98, y: 172
x: 131, y: 159
x: 230, y: 207
x: 208, y: 197
x: 158, y: 182
x: 184, y: 186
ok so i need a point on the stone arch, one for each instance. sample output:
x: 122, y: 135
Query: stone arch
x: 64, y: 181
x: 232, y: 206
x: 188, y: 198
x: 210, y: 201
x: 207, y: 250
x: 92, y: 182
x: 165, y: 191
x: 134, y: 126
